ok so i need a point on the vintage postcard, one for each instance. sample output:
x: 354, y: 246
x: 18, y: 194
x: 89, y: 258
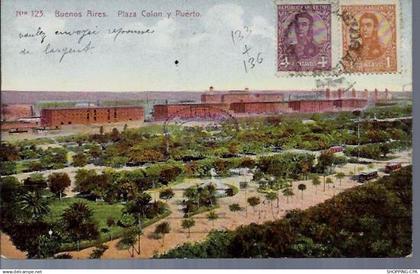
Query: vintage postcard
x: 206, y: 129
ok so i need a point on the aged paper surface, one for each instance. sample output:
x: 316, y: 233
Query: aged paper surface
x: 206, y: 129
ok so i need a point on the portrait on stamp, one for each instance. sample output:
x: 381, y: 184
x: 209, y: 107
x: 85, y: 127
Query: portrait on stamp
x: 369, y: 38
x: 304, y: 37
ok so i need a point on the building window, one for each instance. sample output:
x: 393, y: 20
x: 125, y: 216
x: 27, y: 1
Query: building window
x: 69, y: 123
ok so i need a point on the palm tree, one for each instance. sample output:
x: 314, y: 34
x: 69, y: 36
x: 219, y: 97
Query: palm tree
x: 340, y: 176
x: 78, y: 222
x: 271, y: 196
x: 316, y: 182
x: 187, y: 224
x: 212, y: 216
x: 302, y: 187
x: 287, y: 192
x: 33, y: 203
x: 163, y: 228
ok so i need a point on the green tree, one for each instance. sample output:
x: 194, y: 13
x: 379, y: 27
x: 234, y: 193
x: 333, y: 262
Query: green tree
x: 316, y: 182
x: 115, y: 134
x: 7, y: 168
x: 35, y: 182
x: 139, y: 205
x: 166, y: 194
x: 340, y: 176
x: 128, y: 240
x: 244, y: 186
x: 325, y: 161
x: 34, y: 204
x: 329, y: 181
x: 98, y: 251
x: 271, y: 196
x: 187, y: 224
x: 58, y: 182
x: 78, y: 223
x: 162, y: 229
x: 110, y: 222
x: 235, y: 207
x: 212, y: 216
x: 385, y: 149
x: 287, y: 192
x: 80, y: 159
x: 253, y: 202
x: 302, y: 187
x: 49, y: 245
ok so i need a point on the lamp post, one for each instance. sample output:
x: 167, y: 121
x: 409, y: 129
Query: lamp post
x: 358, y: 113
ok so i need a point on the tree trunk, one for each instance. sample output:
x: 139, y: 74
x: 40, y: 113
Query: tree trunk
x: 246, y: 204
x: 272, y: 211
x: 139, y: 244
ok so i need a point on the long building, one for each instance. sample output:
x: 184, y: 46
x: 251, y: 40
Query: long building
x: 234, y: 96
x: 56, y: 117
x: 259, y: 107
x: 301, y: 106
x: 189, y: 111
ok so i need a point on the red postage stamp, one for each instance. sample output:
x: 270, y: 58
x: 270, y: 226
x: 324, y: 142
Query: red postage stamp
x: 369, y: 38
x: 304, y: 37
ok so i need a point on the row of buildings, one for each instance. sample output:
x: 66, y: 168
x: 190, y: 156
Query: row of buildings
x: 212, y: 105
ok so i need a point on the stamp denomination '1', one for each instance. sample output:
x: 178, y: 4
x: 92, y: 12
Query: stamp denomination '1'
x: 369, y: 39
x: 304, y: 37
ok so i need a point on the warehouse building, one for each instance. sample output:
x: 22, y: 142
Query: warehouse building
x: 56, y: 117
x: 188, y: 111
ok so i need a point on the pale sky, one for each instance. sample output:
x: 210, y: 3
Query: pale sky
x: 202, y: 45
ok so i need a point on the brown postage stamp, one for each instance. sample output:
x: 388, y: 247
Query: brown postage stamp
x: 369, y: 35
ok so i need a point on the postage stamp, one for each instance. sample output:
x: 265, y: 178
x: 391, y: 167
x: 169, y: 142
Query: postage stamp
x: 304, y: 37
x: 369, y: 38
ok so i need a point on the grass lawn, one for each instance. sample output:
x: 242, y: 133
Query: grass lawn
x: 101, y: 212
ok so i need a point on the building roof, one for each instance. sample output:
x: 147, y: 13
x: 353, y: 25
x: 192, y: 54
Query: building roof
x: 193, y: 104
x: 91, y: 107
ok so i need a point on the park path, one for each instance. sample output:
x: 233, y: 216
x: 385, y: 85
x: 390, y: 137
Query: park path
x: 9, y: 250
x: 228, y: 220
